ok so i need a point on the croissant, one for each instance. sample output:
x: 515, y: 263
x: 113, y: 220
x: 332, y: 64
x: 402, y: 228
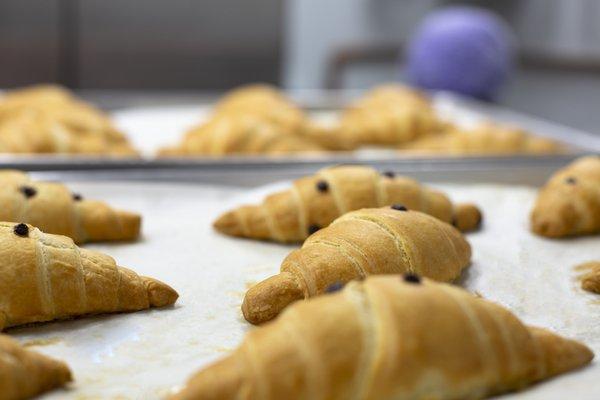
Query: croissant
x: 590, y: 278
x: 53, y: 208
x: 388, y: 338
x: 240, y: 134
x: 24, y: 374
x: 46, y: 277
x: 315, y: 201
x: 369, y: 241
x: 48, y: 119
x: 265, y: 102
x: 569, y: 203
x: 389, y: 115
x: 485, y: 139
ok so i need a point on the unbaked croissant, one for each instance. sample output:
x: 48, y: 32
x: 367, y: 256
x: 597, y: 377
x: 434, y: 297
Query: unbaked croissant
x: 569, y: 203
x: 389, y: 115
x: 387, y: 240
x: 388, y: 338
x: 485, y: 139
x: 315, y: 201
x: 240, y: 134
x: 46, y: 277
x: 24, y: 373
x: 54, y: 209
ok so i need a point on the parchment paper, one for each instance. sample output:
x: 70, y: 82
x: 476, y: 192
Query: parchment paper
x: 144, y: 355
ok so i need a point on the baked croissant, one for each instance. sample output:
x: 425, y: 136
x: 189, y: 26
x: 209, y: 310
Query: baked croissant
x: 54, y: 209
x: 387, y: 240
x: 265, y: 102
x: 388, y: 338
x: 24, y: 373
x: 46, y: 277
x: 48, y: 119
x: 485, y: 139
x: 315, y: 201
x: 240, y: 134
x: 389, y: 115
x: 569, y: 203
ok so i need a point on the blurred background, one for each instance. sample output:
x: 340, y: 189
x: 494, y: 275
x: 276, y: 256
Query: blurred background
x: 158, y: 51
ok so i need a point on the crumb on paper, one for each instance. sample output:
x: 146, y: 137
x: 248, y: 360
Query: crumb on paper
x: 223, y: 349
x: 235, y: 293
x: 590, y: 277
x: 42, y: 342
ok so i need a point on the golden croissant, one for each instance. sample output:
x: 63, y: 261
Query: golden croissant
x: 46, y: 277
x: 387, y: 240
x: 389, y: 115
x: 265, y: 102
x: 24, y: 373
x: 240, y: 134
x: 569, y: 203
x: 388, y: 338
x: 48, y: 119
x: 485, y: 139
x: 315, y: 201
x: 54, y: 209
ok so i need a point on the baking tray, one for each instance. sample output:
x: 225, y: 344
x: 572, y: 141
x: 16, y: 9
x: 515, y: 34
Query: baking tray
x: 150, y: 128
x: 145, y: 355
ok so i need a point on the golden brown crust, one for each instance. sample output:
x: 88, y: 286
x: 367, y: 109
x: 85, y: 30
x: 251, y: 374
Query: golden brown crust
x: 569, y: 203
x: 54, y: 209
x: 46, y: 277
x: 48, y: 119
x: 24, y: 373
x: 485, y: 139
x: 384, y: 338
x: 315, y: 201
x: 389, y: 115
x: 358, y: 244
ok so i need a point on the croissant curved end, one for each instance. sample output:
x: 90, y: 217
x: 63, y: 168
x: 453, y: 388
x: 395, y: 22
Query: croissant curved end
x: 559, y: 354
x: 229, y: 224
x: 556, y: 219
x: 130, y: 224
x: 265, y: 300
x: 160, y: 294
x: 468, y: 217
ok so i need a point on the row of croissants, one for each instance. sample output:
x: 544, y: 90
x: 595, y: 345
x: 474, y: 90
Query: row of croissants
x: 363, y: 309
x: 260, y: 120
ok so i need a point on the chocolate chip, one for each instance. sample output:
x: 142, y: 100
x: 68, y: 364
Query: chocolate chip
x: 389, y: 174
x: 313, y: 228
x: 412, y: 278
x: 21, y: 230
x: 77, y: 197
x: 399, y: 207
x: 28, y: 191
x: 571, y: 181
x: 322, y: 186
x: 335, y: 287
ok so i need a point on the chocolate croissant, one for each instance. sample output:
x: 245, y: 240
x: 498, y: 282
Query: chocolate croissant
x: 389, y: 240
x: 25, y: 374
x: 227, y: 134
x: 389, y: 115
x: 569, y: 203
x: 54, y: 209
x: 315, y: 201
x: 46, y: 277
x: 388, y: 338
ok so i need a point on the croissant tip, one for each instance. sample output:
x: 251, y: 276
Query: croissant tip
x: 160, y: 294
x: 131, y: 223
x: 468, y: 217
x: 548, y: 227
x: 228, y: 224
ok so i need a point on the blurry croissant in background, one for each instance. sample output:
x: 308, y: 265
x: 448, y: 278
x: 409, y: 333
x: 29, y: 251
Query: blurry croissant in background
x: 485, y: 139
x: 388, y: 116
x: 239, y: 134
x: 48, y: 119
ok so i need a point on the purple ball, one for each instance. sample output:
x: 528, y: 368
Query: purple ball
x: 461, y: 49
